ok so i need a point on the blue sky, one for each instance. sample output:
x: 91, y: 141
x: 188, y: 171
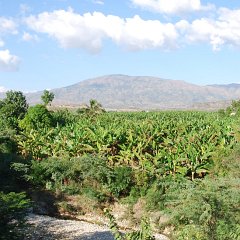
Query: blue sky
x: 55, y: 43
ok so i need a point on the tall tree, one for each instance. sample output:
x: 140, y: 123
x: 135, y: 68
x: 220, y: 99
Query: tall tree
x: 47, y: 97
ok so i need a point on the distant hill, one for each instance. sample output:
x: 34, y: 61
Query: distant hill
x: 142, y: 93
x: 2, y: 95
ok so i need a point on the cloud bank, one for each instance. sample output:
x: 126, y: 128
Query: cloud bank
x: 225, y: 30
x: 88, y: 31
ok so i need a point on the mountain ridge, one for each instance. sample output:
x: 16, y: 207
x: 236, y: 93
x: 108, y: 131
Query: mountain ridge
x: 118, y: 91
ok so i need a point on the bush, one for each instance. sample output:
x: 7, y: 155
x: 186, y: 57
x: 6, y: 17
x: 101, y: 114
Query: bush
x: 160, y: 192
x: 145, y: 232
x: 8, y: 143
x: 72, y: 174
x: 13, y: 208
x: 65, y: 174
x: 63, y: 117
x: 210, y: 209
x: 121, y: 181
x: 155, y: 197
x: 191, y: 232
x: 37, y: 117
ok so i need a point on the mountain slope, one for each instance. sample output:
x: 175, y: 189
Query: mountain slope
x: 127, y: 92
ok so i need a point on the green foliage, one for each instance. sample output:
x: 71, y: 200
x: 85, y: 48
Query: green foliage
x: 8, y: 154
x: 144, y: 233
x: 235, y: 107
x: 155, y: 196
x: 121, y: 181
x: 67, y: 175
x: 95, y: 105
x: 37, y: 117
x: 8, y: 143
x: 207, y: 210
x: 16, y: 101
x: 191, y: 232
x: 95, y: 193
x: 12, y: 109
x: 90, y: 174
x: 232, y: 110
x: 113, y: 225
x: 63, y: 117
x: 94, y: 108
x: 47, y: 97
x: 13, y: 208
x: 167, y: 158
x: 221, y: 112
x: 52, y: 173
x: 154, y: 145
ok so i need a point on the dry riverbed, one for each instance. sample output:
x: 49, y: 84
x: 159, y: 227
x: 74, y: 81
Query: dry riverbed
x: 49, y: 228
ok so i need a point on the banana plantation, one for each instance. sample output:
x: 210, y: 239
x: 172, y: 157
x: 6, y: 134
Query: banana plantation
x: 163, y: 143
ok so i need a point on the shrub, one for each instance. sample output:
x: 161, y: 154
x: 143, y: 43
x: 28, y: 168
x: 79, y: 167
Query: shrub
x: 8, y: 143
x: 63, y: 117
x: 65, y: 174
x: 210, y: 209
x: 144, y: 233
x: 13, y: 208
x: 121, y: 181
x: 37, y: 117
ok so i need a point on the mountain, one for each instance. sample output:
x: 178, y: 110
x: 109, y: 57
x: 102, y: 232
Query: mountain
x: 129, y: 92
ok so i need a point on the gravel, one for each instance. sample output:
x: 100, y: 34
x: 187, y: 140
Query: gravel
x: 48, y: 228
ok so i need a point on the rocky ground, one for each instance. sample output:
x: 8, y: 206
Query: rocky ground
x: 48, y: 228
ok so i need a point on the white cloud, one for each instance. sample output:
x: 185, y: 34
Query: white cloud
x: 7, y: 26
x: 8, y: 62
x: 88, y: 31
x: 69, y: 29
x: 172, y: 6
x: 30, y: 37
x: 140, y: 34
x: 225, y: 30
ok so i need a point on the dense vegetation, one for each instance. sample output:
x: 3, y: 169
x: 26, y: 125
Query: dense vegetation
x: 178, y: 162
